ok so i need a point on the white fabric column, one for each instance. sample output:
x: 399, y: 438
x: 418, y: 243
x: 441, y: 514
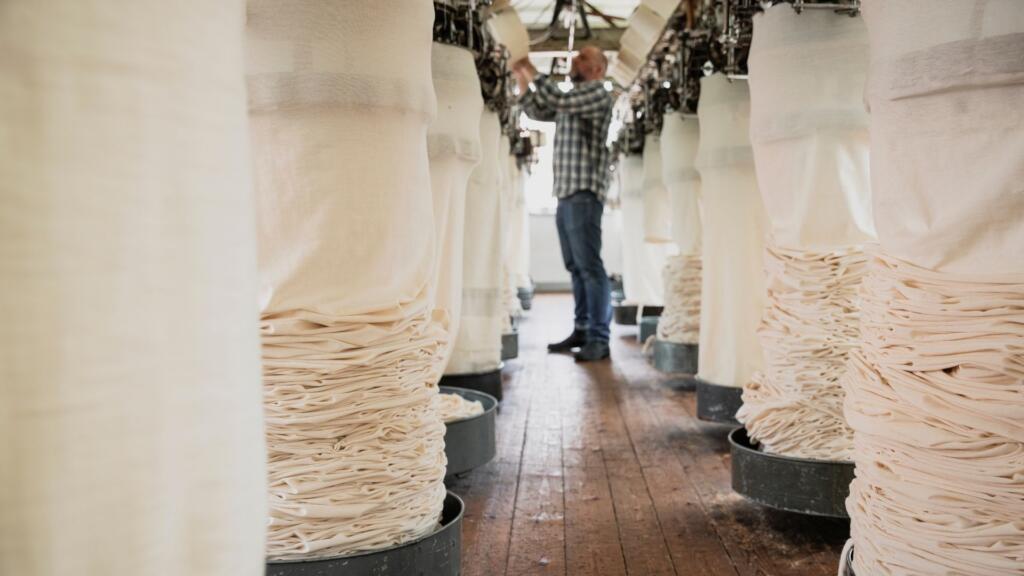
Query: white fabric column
x: 453, y: 143
x: 478, y: 345
x: 680, y: 320
x: 934, y: 395
x: 642, y: 262
x: 657, y: 212
x: 519, y: 227
x: 810, y: 135
x: 509, y: 292
x: 340, y: 98
x: 130, y: 408
x: 732, y: 287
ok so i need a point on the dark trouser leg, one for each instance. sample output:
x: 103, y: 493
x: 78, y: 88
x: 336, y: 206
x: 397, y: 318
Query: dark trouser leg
x: 582, y: 223
x: 562, y: 215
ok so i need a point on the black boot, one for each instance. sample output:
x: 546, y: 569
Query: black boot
x: 575, y: 340
x: 593, y: 350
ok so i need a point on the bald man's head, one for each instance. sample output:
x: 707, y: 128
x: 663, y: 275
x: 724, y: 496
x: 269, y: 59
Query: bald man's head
x: 589, y: 64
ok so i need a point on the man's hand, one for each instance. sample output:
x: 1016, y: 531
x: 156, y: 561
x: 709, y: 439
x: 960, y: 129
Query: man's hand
x: 524, y: 72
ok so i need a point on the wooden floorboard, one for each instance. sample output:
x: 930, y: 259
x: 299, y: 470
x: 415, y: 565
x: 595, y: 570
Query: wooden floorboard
x: 604, y: 470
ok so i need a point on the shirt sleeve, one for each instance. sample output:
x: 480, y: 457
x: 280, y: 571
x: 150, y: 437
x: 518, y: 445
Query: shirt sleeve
x: 584, y: 99
x: 533, y: 107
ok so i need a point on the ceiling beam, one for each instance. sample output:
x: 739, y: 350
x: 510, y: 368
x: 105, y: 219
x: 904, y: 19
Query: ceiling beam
x: 604, y: 38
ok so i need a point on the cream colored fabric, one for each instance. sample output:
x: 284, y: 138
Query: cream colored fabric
x: 509, y: 30
x: 453, y: 143
x: 340, y: 98
x: 642, y: 31
x: 794, y: 406
x: 680, y: 141
x: 453, y: 407
x: 732, y: 289
x: 518, y: 235
x: 935, y: 394
x: 680, y: 320
x: 810, y: 140
x: 509, y: 290
x: 934, y: 397
x: 657, y: 212
x: 642, y: 262
x: 959, y: 179
x: 663, y: 8
x: 478, y: 345
x: 130, y: 410
x: 620, y: 70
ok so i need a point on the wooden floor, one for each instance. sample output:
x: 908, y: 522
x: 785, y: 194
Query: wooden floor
x: 603, y: 469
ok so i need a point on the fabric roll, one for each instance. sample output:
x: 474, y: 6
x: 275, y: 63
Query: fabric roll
x: 453, y: 144
x: 680, y: 140
x: 934, y: 395
x: 351, y: 345
x: 129, y: 365
x: 478, y: 344
x: 509, y: 30
x: 657, y: 212
x: 642, y: 262
x: 680, y: 320
x: 732, y: 283
x: 810, y: 140
x: 453, y: 407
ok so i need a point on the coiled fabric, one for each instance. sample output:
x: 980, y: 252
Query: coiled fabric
x: 935, y: 396
x: 809, y: 132
x: 478, y: 343
x: 794, y: 405
x: 351, y: 344
x: 680, y: 320
x: 130, y: 408
x: 732, y: 287
x: 453, y: 407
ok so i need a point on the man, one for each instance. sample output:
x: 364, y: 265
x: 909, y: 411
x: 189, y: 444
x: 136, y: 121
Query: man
x: 581, y: 115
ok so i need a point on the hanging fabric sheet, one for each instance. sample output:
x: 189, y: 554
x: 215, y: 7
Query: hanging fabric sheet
x: 340, y: 97
x: 518, y: 236
x: 935, y: 395
x: 810, y: 139
x: 732, y: 289
x: 657, y: 212
x: 642, y: 262
x: 680, y: 321
x: 478, y: 345
x: 453, y: 143
x: 130, y: 408
x: 511, y: 308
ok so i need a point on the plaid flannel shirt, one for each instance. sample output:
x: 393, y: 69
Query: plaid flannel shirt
x: 581, y: 117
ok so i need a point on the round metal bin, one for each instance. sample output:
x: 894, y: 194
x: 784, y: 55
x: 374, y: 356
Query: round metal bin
x: 801, y: 485
x: 470, y: 442
x: 437, y: 554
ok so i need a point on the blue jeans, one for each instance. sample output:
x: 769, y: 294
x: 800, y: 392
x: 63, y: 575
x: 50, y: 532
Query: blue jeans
x: 578, y: 219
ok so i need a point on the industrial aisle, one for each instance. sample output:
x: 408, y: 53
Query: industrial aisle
x: 604, y: 470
